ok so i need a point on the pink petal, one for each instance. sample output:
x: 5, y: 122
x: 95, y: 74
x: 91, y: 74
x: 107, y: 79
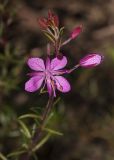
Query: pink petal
x: 36, y: 64
x: 48, y: 63
x: 62, y: 84
x: 34, y: 83
x: 57, y: 64
x: 32, y: 74
x: 91, y: 60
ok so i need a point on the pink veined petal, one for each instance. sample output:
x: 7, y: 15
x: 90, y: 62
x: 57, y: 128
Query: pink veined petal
x: 57, y: 64
x: 32, y: 74
x: 36, y: 64
x: 34, y: 83
x: 62, y: 84
x: 48, y: 63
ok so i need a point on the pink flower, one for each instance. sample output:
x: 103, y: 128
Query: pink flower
x: 91, y: 60
x: 49, y: 73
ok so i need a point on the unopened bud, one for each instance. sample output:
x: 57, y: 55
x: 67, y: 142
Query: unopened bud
x: 43, y: 23
x: 76, y: 31
x: 91, y: 60
x: 56, y: 20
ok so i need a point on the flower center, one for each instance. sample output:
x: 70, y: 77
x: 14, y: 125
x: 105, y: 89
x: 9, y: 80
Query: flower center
x: 48, y: 73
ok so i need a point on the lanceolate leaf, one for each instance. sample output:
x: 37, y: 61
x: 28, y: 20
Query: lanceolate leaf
x: 2, y: 157
x: 29, y: 116
x: 25, y: 129
x: 15, y: 153
x: 49, y: 118
x: 42, y: 142
x: 47, y: 35
x: 51, y: 131
x: 56, y: 101
x: 61, y: 31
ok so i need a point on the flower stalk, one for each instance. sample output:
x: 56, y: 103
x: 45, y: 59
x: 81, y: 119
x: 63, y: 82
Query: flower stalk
x: 38, y: 133
x: 47, y: 110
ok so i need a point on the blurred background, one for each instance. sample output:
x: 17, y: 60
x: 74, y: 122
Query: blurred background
x: 86, y: 114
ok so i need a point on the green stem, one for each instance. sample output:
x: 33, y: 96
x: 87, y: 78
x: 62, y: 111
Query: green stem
x: 38, y: 133
x: 44, y: 117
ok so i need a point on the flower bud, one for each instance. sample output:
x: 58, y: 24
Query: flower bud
x: 56, y: 20
x: 50, y: 14
x: 43, y: 23
x: 91, y: 60
x: 76, y: 31
x: 53, y: 18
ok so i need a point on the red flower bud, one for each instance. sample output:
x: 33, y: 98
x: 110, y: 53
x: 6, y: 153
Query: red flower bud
x: 53, y: 18
x: 56, y: 20
x: 50, y: 14
x: 76, y: 31
x: 43, y: 23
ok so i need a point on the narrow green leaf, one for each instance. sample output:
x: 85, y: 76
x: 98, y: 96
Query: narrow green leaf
x: 25, y: 146
x: 52, y: 113
x: 29, y: 116
x: 56, y: 101
x: 47, y: 35
x: 43, y: 91
x: 15, y: 153
x: 61, y: 30
x: 25, y: 129
x: 36, y: 109
x: 2, y: 157
x: 48, y: 118
x: 53, y: 131
x: 43, y: 141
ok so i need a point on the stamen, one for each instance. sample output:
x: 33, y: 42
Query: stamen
x: 42, y: 89
x: 60, y: 87
x: 53, y: 87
